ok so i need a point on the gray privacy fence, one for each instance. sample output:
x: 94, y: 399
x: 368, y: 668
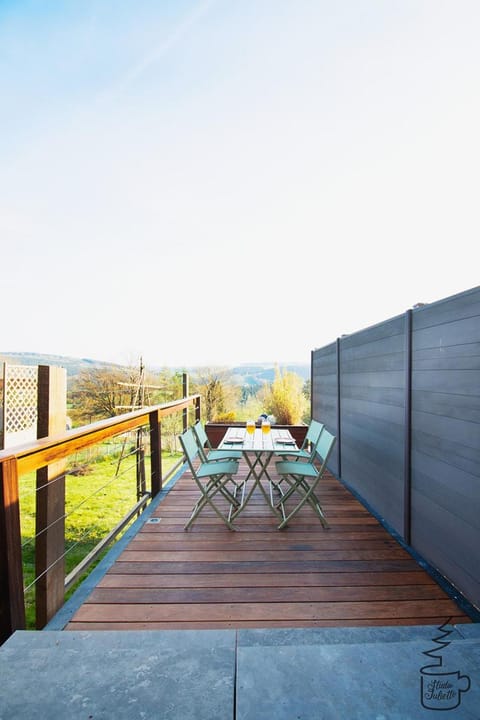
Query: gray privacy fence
x: 403, y: 398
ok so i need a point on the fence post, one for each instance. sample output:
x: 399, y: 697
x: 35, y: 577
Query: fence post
x: 50, y: 499
x: 197, y: 409
x: 140, y: 464
x: 407, y: 466
x: 185, y: 389
x: 155, y: 453
x: 12, y: 605
x: 339, y: 407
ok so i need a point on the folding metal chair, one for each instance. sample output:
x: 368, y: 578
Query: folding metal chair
x: 303, y: 478
x: 206, y: 452
x: 212, y: 479
x: 306, y: 451
x: 308, y: 448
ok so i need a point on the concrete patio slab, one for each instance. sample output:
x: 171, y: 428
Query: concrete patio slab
x: 356, y: 673
x: 371, y: 673
x: 172, y: 675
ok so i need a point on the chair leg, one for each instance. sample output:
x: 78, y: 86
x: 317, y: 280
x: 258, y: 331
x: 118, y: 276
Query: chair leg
x: 208, y: 492
x: 230, y: 497
x: 308, y: 497
x: 238, y: 503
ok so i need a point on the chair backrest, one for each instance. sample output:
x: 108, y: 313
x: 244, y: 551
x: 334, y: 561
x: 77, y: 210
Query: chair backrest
x: 189, y: 447
x: 312, y: 437
x: 325, y: 446
x: 202, y: 440
x: 201, y: 434
x: 310, y: 443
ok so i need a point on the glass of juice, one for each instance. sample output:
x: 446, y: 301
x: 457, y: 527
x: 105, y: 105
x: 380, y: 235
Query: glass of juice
x: 266, y: 426
x: 250, y: 427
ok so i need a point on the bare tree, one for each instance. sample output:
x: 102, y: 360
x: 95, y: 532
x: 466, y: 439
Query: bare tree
x: 99, y: 393
x: 219, y: 393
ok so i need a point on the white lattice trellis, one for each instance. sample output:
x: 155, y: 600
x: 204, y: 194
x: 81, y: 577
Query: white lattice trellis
x: 20, y: 404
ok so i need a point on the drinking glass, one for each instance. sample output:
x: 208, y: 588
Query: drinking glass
x: 266, y: 426
x: 250, y: 427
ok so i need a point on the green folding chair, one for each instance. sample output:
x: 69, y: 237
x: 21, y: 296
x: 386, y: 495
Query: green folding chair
x: 308, y: 448
x: 302, y: 479
x: 205, y: 449
x: 213, y: 479
x: 306, y: 451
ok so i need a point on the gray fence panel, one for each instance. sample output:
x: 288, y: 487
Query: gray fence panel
x: 413, y: 453
x: 325, y: 395
x: 445, y: 512
x: 372, y: 383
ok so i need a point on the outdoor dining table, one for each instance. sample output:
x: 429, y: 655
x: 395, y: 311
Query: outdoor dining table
x: 258, y: 449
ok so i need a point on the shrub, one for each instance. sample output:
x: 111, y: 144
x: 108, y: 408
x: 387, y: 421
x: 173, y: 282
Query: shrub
x: 285, y: 398
x: 226, y: 417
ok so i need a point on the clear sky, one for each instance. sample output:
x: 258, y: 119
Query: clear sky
x: 221, y: 181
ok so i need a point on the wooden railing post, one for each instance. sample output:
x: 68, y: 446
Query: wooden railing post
x: 140, y: 465
x: 50, y: 501
x: 12, y: 605
x: 155, y: 453
x: 185, y: 389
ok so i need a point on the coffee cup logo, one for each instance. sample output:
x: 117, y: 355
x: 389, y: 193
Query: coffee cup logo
x: 443, y: 691
x: 440, y: 689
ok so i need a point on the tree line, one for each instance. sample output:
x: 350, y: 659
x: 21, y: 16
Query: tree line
x: 98, y: 393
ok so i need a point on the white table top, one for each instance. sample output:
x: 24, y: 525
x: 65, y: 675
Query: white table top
x: 275, y: 440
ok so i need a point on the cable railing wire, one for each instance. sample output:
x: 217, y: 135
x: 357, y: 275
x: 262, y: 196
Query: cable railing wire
x: 73, y: 510
x: 38, y: 522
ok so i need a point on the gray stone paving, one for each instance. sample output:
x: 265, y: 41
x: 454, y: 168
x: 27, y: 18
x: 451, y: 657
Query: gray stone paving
x: 354, y: 674
x: 93, y: 676
x: 314, y: 674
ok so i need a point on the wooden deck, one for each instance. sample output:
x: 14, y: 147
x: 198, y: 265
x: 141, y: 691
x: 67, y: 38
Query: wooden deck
x: 352, y: 574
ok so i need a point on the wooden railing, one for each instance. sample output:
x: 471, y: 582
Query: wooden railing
x: 44, y: 453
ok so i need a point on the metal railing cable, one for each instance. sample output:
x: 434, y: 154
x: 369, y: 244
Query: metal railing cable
x: 62, y: 503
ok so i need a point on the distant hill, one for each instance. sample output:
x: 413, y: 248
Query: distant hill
x: 73, y: 366
x: 250, y: 374
x: 258, y: 374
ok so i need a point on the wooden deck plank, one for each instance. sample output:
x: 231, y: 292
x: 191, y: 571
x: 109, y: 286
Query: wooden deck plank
x: 264, y: 543
x: 344, y: 611
x: 117, y: 580
x: 263, y: 540
x: 353, y: 574
x: 289, y: 594
x: 291, y: 556
x: 237, y: 624
x: 261, y: 567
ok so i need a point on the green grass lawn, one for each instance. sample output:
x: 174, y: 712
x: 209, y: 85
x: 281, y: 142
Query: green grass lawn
x: 99, y: 492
